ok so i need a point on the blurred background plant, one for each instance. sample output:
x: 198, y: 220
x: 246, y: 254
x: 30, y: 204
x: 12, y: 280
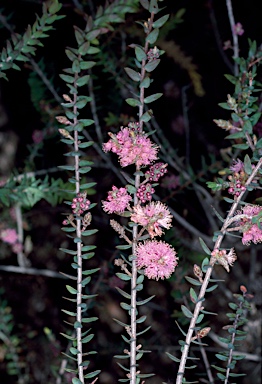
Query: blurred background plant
x: 199, y: 47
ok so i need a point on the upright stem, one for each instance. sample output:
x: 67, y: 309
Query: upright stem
x: 234, y: 35
x: 133, y: 344
x: 133, y: 298
x: 202, y: 292
x: 79, y: 253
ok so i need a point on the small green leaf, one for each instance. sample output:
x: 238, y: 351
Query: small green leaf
x: 193, y: 295
x: 132, y: 74
x: 75, y: 380
x: 71, y: 289
x: 140, y: 54
x: 123, y: 276
x: 160, y: 22
x: 204, y: 246
x: 133, y: 102
x: 173, y: 357
x: 152, y: 37
x: 149, y: 67
x: 186, y: 311
x: 221, y: 357
x: 150, y: 99
x: 247, y: 165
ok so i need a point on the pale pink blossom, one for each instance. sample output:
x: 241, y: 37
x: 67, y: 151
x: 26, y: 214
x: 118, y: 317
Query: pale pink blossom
x: 238, y: 29
x: 117, y: 200
x: 251, y: 231
x: 157, y: 257
x: 9, y: 236
x: 132, y: 146
x: 153, y: 216
x: 237, y: 166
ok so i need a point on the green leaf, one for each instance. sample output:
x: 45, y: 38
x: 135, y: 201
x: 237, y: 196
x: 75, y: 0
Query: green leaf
x: 92, y: 374
x: 140, y: 54
x: 71, y: 289
x: 145, y: 82
x: 132, y: 74
x: 133, y: 102
x: 199, y: 318
x: 193, y: 295
x: 221, y: 357
x: 204, y: 246
x: 82, y: 80
x: 210, y: 289
x: 231, y: 78
x: 241, y: 146
x: 186, y: 311
x: 87, y: 338
x: 150, y: 99
x: 247, y: 165
x: 152, y: 37
x: 147, y: 116
x: 87, y: 64
x: 160, y: 22
x: 123, y: 276
x: 149, y: 67
x: 173, y: 357
x: 193, y: 281
x: 75, y: 380
x: 74, y: 351
x: 68, y: 312
x: 247, y: 128
x: 142, y: 302
x: 67, y: 78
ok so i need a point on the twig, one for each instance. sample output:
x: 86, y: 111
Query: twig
x: 234, y: 35
x: 201, y: 295
x: 33, y: 271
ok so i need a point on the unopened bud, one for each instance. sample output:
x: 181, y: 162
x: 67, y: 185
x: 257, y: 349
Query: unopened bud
x: 63, y: 120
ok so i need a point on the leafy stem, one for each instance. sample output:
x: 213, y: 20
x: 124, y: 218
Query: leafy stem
x: 204, y: 286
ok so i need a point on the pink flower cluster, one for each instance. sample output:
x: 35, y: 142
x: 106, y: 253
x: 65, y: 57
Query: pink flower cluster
x: 153, y: 216
x: 153, y: 54
x: 157, y: 257
x: 238, y: 179
x: 145, y: 192
x: 224, y: 258
x: 238, y: 29
x: 251, y: 231
x: 132, y: 146
x: 117, y: 200
x: 10, y: 236
x: 80, y: 204
x: 156, y: 171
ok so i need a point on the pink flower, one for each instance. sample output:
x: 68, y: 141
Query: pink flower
x: 156, y: 171
x: 238, y: 29
x: 132, y: 146
x: 145, y: 192
x: 153, y: 216
x: 37, y: 136
x: 9, y: 236
x: 17, y: 247
x: 117, y: 200
x: 251, y: 231
x: 80, y: 203
x: 157, y: 257
x: 237, y: 166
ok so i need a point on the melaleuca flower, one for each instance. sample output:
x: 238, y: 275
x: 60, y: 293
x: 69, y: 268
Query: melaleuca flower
x: 145, y: 192
x: 132, y: 146
x: 251, y: 231
x: 224, y: 258
x: 153, y: 216
x: 157, y: 257
x: 117, y: 200
x: 80, y: 203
